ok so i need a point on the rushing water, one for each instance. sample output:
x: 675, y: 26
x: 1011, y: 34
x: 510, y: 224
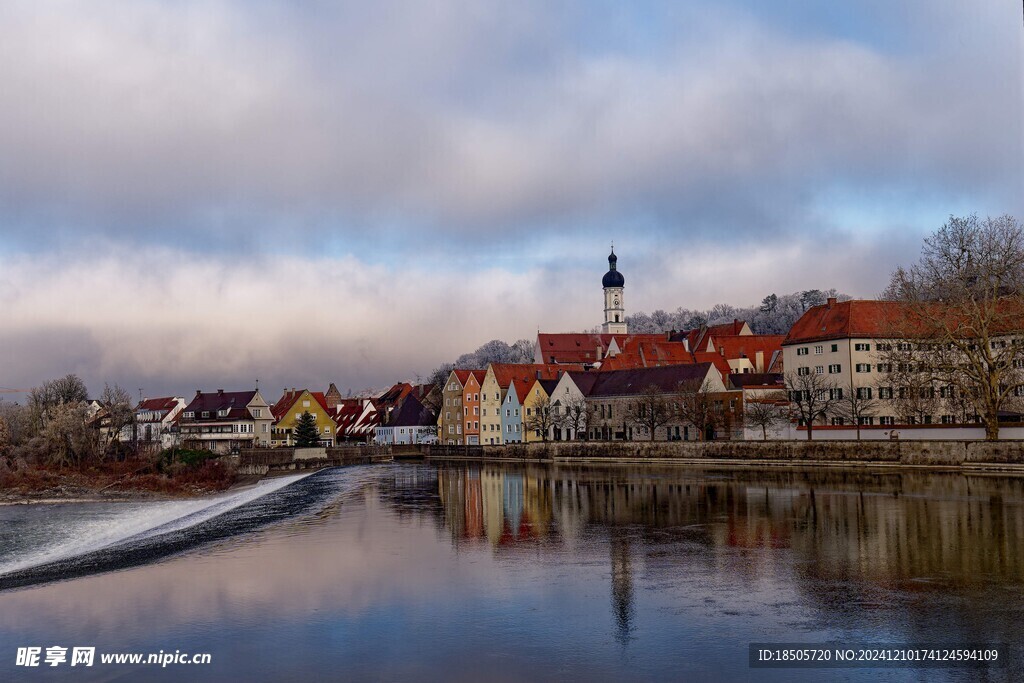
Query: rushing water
x: 493, y: 572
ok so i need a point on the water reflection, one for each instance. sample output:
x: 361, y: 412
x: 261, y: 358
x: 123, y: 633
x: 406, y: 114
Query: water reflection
x: 885, y: 526
x: 502, y: 572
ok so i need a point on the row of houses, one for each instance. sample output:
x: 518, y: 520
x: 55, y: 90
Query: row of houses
x: 599, y: 387
x: 226, y: 421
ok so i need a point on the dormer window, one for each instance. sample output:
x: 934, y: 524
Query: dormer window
x: 206, y: 413
x: 223, y: 412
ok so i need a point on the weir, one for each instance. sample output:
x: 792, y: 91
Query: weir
x: 263, y: 461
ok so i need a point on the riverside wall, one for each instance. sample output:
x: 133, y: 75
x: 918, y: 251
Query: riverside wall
x: 910, y: 453
x: 262, y: 461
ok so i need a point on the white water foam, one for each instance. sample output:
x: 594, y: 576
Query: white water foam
x: 125, y: 522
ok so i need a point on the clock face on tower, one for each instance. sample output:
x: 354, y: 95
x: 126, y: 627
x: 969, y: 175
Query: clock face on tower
x: 615, y: 301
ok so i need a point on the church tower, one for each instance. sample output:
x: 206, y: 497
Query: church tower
x: 614, y: 305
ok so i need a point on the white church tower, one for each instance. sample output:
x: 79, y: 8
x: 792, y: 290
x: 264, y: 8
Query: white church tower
x: 614, y: 304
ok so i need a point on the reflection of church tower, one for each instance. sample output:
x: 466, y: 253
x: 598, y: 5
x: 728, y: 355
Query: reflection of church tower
x: 622, y: 584
x: 614, y: 304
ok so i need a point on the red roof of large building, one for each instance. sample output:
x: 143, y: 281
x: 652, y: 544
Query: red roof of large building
x: 860, y: 319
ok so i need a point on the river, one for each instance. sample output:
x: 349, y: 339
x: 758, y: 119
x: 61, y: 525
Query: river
x: 521, y: 572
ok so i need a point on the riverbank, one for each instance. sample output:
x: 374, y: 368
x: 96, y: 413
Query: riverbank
x: 114, y: 481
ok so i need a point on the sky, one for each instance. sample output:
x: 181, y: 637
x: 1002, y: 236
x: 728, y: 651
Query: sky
x: 197, y: 195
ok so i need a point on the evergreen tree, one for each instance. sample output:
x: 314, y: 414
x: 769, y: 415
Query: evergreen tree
x: 306, y: 432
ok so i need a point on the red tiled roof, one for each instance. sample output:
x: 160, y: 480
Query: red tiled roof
x: 718, y: 361
x: 504, y: 373
x: 572, y: 347
x: 854, y: 319
x: 733, y: 347
x: 523, y: 387
x: 158, y: 404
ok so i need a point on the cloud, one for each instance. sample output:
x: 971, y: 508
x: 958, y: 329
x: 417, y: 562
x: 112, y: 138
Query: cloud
x: 199, y: 124
x: 173, y: 322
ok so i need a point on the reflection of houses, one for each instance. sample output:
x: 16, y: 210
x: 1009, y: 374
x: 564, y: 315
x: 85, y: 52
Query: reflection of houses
x: 225, y: 421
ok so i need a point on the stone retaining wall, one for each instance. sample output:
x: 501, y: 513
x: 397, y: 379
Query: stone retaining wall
x: 944, y: 453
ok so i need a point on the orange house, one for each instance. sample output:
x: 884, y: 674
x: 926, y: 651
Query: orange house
x: 471, y: 407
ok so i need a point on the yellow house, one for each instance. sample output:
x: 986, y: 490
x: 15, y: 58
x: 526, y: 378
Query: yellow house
x: 538, y: 399
x: 290, y: 407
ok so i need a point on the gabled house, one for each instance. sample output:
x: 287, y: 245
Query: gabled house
x: 155, y: 422
x: 512, y: 411
x: 450, y: 423
x: 495, y: 386
x: 411, y: 423
x: 536, y: 404
x: 226, y: 421
x: 471, y: 407
x: 290, y: 407
x: 357, y: 420
x: 616, y: 396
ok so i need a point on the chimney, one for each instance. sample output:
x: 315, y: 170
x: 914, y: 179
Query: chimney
x: 220, y: 392
x: 599, y: 352
x: 759, y: 361
x: 831, y: 301
x: 198, y: 392
x: 538, y: 374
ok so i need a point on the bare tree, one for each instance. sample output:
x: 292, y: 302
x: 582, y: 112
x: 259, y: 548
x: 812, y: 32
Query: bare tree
x: 652, y: 410
x: 117, y: 403
x: 964, y: 303
x: 575, y: 417
x: 763, y: 414
x: 695, y: 405
x: 812, y: 397
x: 857, y: 404
x: 541, y: 416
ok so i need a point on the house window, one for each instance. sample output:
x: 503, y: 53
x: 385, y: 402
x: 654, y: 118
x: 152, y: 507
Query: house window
x: 862, y: 347
x: 206, y: 413
x: 257, y: 412
x: 305, y: 404
x: 863, y: 367
x: 818, y: 350
x: 866, y: 420
x: 835, y: 348
x: 835, y: 369
x: 837, y: 422
x: 887, y: 420
x: 802, y: 351
x: 819, y: 369
x: 884, y: 367
x: 947, y: 419
x: 835, y: 394
x: 863, y: 392
x: 803, y: 371
x: 884, y: 392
